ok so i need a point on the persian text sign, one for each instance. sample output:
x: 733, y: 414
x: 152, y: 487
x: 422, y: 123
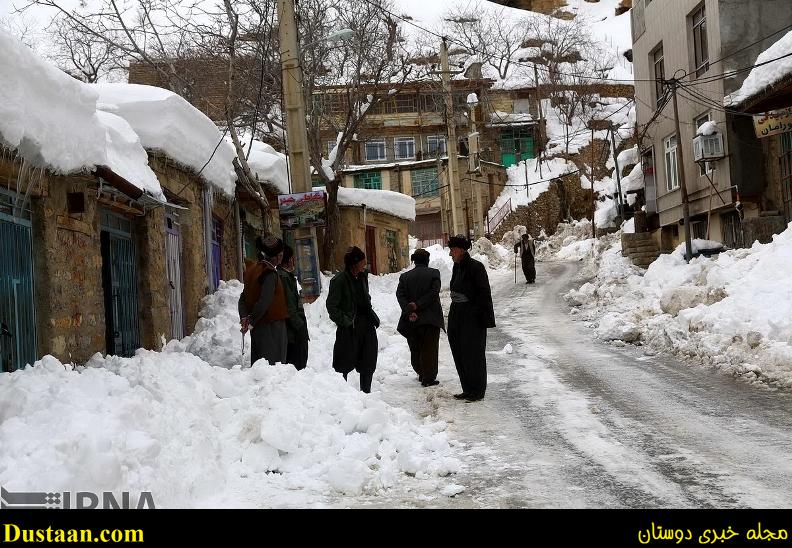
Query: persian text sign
x: 773, y: 123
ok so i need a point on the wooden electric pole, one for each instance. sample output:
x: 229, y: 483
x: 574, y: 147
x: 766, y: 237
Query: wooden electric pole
x: 453, y: 162
x: 296, y: 131
x: 593, y: 193
x: 540, y: 144
x: 681, y: 170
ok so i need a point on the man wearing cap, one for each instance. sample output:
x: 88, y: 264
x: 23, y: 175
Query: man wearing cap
x: 470, y: 316
x: 349, y: 306
x: 262, y: 305
x: 418, y: 294
x: 296, y: 325
x: 527, y: 249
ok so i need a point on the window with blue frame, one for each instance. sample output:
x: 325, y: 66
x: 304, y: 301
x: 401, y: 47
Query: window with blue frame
x: 370, y: 181
x: 425, y: 183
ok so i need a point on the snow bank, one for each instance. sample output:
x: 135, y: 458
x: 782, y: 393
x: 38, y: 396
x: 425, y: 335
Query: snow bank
x: 270, y: 165
x: 168, y: 123
x: 732, y: 312
x: 196, y: 435
x: 762, y: 77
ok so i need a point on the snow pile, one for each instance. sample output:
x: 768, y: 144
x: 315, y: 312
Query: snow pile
x: 385, y: 201
x: 732, y: 312
x: 766, y: 75
x: 269, y: 165
x: 569, y: 237
x: 197, y: 435
x: 708, y: 128
x: 494, y: 256
x: 52, y: 121
x: 168, y: 123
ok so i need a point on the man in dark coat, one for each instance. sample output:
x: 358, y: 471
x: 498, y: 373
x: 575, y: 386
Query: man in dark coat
x: 262, y: 304
x: 296, y: 325
x: 470, y: 316
x: 349, y: 306
x: 418, y: 294
x: 527, y: 250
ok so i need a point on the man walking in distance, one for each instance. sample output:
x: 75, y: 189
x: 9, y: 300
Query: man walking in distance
x: 296, y: 325
x: 418, y: 294
x: 262, y: 304
x: 470, y: 316
x: 349, y: 306
x: 527, y: 249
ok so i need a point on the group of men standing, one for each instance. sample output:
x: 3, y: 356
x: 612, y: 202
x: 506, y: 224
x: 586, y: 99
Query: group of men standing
x: 270, y: 306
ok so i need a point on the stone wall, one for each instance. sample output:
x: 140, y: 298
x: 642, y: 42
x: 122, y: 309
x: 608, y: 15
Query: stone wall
x: 67, y: 259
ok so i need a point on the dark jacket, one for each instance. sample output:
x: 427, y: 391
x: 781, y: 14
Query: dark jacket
x: 296, y: 325
x: 527, y: 249
x: 342, y: 303
x: 421, y: 286
x: 470, y: 278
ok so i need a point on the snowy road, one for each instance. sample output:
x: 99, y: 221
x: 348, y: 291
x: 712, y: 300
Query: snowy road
x: 571, y: 422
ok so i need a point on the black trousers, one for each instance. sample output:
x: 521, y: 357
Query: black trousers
x: 356, y: 348
x: 468, y: 342
x: 297, y: 353
x: 529, y: 269
x: 424, y: 342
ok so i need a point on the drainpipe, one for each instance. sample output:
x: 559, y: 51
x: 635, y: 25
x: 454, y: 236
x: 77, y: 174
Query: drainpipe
x: 207, y: 219
x: 239, y: 240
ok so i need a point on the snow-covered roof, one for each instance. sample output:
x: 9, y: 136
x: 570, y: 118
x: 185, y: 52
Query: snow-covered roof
x: 765, y: 76
x: 386, y: 201
x: 269, y: 165
x: 499, y: 118
x: 168, y: 123
x: 52, y: 121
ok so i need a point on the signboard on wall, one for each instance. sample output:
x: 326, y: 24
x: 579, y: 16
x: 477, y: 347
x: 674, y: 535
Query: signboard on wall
x: 302, y: 210
x: 772, y: 123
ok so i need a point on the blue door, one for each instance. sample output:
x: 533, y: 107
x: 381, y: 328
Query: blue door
x: 217, y: 253
x: 17, y: 311
x: 120, y: 283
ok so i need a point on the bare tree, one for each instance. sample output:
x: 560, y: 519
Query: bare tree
x: 83, y: 56
x: 570, y: 63
x: 491, y: 35
x: 345, y: 82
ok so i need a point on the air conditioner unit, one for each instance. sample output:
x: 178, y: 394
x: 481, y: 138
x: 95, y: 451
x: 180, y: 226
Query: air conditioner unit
x: 708, y: 148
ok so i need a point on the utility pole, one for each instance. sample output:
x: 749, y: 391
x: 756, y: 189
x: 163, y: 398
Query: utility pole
x: 453, y: 162
x: 306, y: 248
x: 540, y: 147
x: 593, y: 193
x: 296, y: 131
x: 681, y: 170
x: 467, y: 220
x: 616, y: 165
x: 475, y: 162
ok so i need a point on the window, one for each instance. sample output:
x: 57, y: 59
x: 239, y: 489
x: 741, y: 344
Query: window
x: 671, y: 162
x: 370, y: 181
x: 700, y: 53
x: 375, y: 151
x: 397, y: 104
x: 330, y: 146
x: 659, y: 73
x: 435, y: 146
x: 785, y: 161
x: 424, y: 183
x: 404, y: 148
x: 705, y: 167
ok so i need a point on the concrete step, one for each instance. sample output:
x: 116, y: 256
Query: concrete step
x: 639, y: 256
x: 644, y: 248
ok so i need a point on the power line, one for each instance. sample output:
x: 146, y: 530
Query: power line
x: 732, y: 54
x: 515, y: 63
